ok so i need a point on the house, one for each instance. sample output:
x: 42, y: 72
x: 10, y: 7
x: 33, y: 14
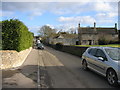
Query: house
x: 91, y: 35
x: 63, y: 38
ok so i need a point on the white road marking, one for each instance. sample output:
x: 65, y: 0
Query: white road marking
x: 38, y: 72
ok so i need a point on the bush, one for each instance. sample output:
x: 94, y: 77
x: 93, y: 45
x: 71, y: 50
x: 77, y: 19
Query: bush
x: 15, y: 35
x: 114, y: 42
x: 59, y: 46
x: 103, y: 41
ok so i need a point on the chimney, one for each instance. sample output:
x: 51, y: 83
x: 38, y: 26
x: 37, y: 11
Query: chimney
x: 79, y: 25
x: 116, y: 27
x: 79, y: 35
x: 119, y: 36
x: 79, y: 28
x: 94, y: 26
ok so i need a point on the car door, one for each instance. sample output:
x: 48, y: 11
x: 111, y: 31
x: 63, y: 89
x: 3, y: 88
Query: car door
x: 100, y: 62
x: 91, y: 58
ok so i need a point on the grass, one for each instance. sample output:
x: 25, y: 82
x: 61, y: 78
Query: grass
x: 110, y: 45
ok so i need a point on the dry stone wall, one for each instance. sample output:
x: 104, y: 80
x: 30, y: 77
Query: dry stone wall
x: 13, y: 59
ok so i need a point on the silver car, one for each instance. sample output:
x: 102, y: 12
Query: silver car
x: 105, y: 61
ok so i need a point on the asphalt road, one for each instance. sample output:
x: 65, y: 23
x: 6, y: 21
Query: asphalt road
x: 65, y: 71
x: 50, y: 68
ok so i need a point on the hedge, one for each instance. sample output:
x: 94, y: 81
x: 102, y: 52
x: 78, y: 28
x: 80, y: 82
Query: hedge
x: 15, y: 35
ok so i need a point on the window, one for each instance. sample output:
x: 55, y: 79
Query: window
x: 100, y: 53
x: 92, y: 51
x: 113, y: 53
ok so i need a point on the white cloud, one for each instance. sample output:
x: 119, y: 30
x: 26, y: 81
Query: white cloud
x: 66, y: 19
x: 32, y: 15
x: 31, y: 9
x: 66, y: 27
x: 72, y: 22
x: 51, y: 26
x: 106, y: 15
x: 81, y: 19
x: 36, y: 14
x: 34, y: 29
x: 7, y: 13
x: 112, y: 14
x: 58, y: 0
x: 105, y: 11
x: 102, y: 6
x: 60, y: 8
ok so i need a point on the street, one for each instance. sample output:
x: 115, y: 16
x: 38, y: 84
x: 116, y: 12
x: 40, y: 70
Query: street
x: 50, y: 68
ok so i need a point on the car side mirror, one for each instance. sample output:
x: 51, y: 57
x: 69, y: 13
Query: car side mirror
x: 101, y: 58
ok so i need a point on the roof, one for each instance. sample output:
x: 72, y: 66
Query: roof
x: 91, y: 30
x: 66, y: 36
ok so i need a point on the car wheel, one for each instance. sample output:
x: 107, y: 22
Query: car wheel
x: 112, y: 78
x: 84, y: 65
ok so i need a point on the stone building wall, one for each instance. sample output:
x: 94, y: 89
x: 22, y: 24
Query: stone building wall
x: 64, y: 41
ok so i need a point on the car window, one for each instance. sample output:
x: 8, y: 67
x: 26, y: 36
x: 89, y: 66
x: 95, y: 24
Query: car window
x: 113, y: 53
x: 100, y: 53
x: 92, y: 51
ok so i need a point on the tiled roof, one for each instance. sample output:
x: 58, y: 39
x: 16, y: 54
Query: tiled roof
x: 87, y: 30
x: 66, y: 36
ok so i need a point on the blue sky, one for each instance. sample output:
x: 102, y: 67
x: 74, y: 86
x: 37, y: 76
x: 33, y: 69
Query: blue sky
x: 61, y: 15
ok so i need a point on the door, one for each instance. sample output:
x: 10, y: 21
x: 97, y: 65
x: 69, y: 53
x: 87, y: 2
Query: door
x: 91, y: 58
x: 100, y: 62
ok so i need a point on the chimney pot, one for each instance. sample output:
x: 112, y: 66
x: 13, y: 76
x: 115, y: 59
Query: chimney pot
x: 94, y: 26
x: 115, y: 25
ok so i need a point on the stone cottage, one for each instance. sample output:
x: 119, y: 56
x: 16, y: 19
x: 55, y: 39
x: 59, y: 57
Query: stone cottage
x: 91, y: 35
x: 63, y: 38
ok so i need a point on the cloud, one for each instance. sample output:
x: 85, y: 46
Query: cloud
x: 77, y: 19
x: 31, y: 9
x: 102, y: 6
x: 7, y: 13
x: 51, y: 26
x: 59, y: 8
x: 70, y: 13
x: 106, y: 15
x: 66, y: 27
x: 34, y: 29
x: 59, y: 0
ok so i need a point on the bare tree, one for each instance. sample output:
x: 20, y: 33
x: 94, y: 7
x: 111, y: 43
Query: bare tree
x: 46, y: 31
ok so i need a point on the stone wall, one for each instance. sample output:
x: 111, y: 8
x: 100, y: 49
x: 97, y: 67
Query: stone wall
x: 74, y: 50
x: 13, y: 59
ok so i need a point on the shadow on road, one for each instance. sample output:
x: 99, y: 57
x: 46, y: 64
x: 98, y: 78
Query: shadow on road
x: 58, y: 73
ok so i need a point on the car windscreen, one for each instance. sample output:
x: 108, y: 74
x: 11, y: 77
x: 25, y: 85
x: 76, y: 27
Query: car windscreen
x: 114, y: 53
x: 40, y: 45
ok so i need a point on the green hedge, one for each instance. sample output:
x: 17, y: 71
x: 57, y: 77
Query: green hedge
x: 15, y: 35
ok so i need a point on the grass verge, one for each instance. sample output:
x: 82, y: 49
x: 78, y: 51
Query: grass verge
x: 110, y: 45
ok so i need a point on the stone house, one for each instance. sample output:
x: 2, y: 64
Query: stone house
x: 65, y: 39
x: 91, y: 35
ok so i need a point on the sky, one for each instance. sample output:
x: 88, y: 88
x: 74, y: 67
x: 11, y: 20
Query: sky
x: 59, y: 14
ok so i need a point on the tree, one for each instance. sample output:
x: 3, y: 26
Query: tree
x: 46, y: 31
x: 72, y: 30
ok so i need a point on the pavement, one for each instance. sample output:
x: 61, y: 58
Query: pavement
x: 24, y: 76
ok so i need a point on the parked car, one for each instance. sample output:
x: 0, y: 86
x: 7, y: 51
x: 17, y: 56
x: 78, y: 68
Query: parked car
x: 105, y: 61
x: 40, y: 46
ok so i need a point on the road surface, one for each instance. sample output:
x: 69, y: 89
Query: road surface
x: 50, y: 68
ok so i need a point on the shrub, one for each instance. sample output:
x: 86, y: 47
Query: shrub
x: 103, y: 41
x: 59, y: 46
x: 15, y: 35
x: 114, y: 42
